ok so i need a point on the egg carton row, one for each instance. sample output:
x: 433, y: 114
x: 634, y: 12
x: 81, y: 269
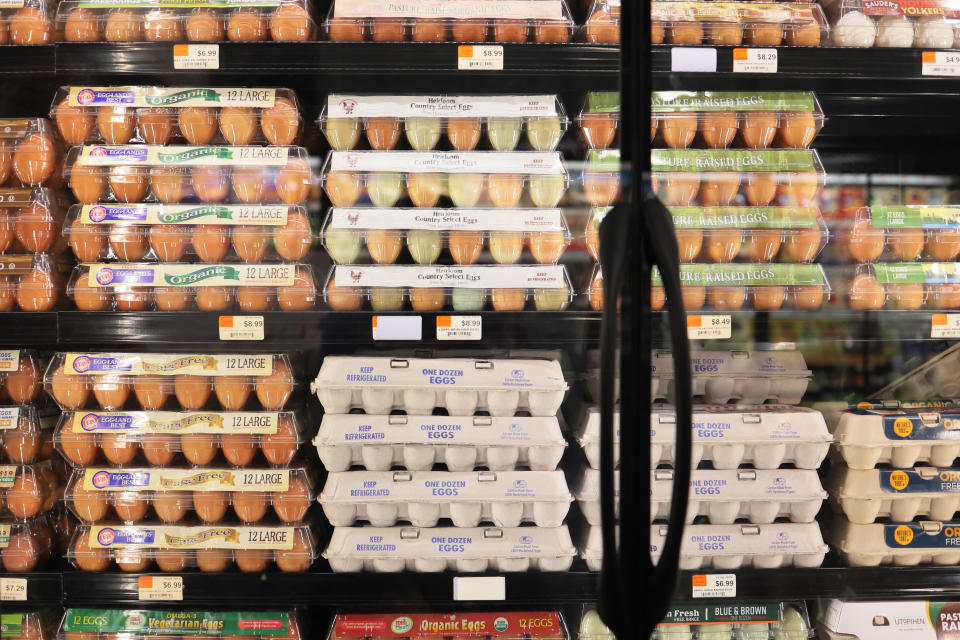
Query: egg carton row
x: 759, y: 496
x: 31, y: 220
x: 496, y: 625
x: 173, y: 233
x: 21, y: 375
x: 28, y: 622
x: 26, y: 432
x: 730, y: 546
x: 32, y: 151
x: 904, y: 233
x: 27, y: 22
x: 887, y: 26
x: 902, y: 544
x: 501, y: 287
x: 27, y: 490
x: 599, y: 120
x: 418, y: 443
x: 766, y: 436
x: 900, y: 438
x: 379, y: 385
x: 148, y: 286
x: 209, y: 548
x: 25, y: 544
x: 464, y: 550
x: 137, y: 623
x: 900, y: 495
x: 174, y: 174
x: 150, y: 21
x: 603, y: 22
x: 459, y: 120
x: 738, y: 23
x: 33, y: 282
x: 87, y: 438
x: 745, y: 620
x: 463, y: 233
x: 911, y: 285
x: 191, y: 115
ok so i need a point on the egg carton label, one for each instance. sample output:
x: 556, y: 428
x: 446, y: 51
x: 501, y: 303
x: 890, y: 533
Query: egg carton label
x: 463, y: 624
x: 182, y: 156
x: 469, y: 277
x: 941, y: 535
x: 530, y: 220
x: 891, y: 620
x: 138, y: 364
x: 603, y: 160
x: 9, y: 359
x: 443, y: 486
x: 439, y: 9
x: 190, y: 275
x: 912, y: 217
x: 913, y: 426
x: 192, y: 214
x: 518, y: 162
x: 733, y: 160
x: 170, y: 96
x: 8, y: 473
x: 929, y: 8
x: 196, y: 537
x: 437, y: 106
x: 21, y: 266
x: 176, y: 4
x: 926, y: 480
x: 176, y: 622
x: 173, y: 422
x: 603, y: 102
x: 767, y: 363
x: 9, y: 418
x: 746, y: 218
x: 712, y: 275
x: 743, y: 612
x: 4, y: 535
x: 10, y: 623
x: 733, y: 101
x: 924, y: 273
x: 162, y: 480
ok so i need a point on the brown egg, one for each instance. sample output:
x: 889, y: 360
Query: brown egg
x: 90, y: 506
x: 250, y: 243
x: 210, y: 506
x: 21, y: 554
x: 804, y: 34
x: 726, y: 298
x: 387, y: 30
x: 159, y: 449
x: 685, y: 33
x: 169, y: 241
x: 169, y: 184
x: 944, y: 244
x: 253, y: 560
x: 172, y: 506
x: 943, y: 296
x: 256, y: 298
x: 74, y: 122
x: 347, y: 30
x: 290, y: 23
x: 34, y: 159
x: 689, y: 243
x: 797, y: 129
x: 763, y: 244
x: 724, y: 33
x: 192, y: 391
x: 292, y: 504
x: 463, y: 133
x: 679, y: 129
x: 89, y: 297
x: 764, y: 34
x: 807, y: 297
x: 6, y: 166
x: 119, y: 448
x: 719, y: 189
x: 679, y: 189
x: 8, y: 290
x: 129, y: 242
x: 26, y: 495
x: 866, y: 293
x: 803, y: 245
x: 152, y: 391
x: 214, y: 298
x: 508, y: 299
x: 232, y: 391
x: 505, y: 30
x: 87, y: 241
x: 865, y: 241
x: 129, y: 299
x: 211, y: 242
x: 299, y: 558
x: 383, y: 133
x: 7, y: 230
x: 280, y: 447
x: 906, y: 244
x: 601, y: 189
x: 469, y: 30
x: 111, y: 391
x: 550, y: 31
x: 198, y: 124
x: 760, y: 188
x: 79, y: 448
x: 82, y: 25
x: 199, y: 448
x: 246, y: 25
x: 37, y: 291
x: 767, y: 298
x: 30, y: 25
x: 213, y: 560
x: 342, y: 187
x: 249, y: 184
x: 718, y: 128
x: 299, y: 296
x: 35, y: 227
x: 547, y: 246
x: 203, y: 25
x: 171, y: 561
x: 427, y: 298
x: 162, y: 25
x: 23, y: 383
x: 293, y: 181
x: 129, y: 184
x: 343, y: 298
x: 22, y: 443
x: 600, y: 129
x: 156, y: 124
x: 238, y: 449
x: 758, y: 128
x: 384, y: 245
x: 505, y: 189
x: 123, y: 25
x: 281, y: 122
x: 238, y: 125
x: 88, y: 558
x: 173, y: 298
x: 693, y: 297
x: 293, y: 240
x: 465, y: 246
x: 116, y: 124
x: 274, y: 390
x: 723, y: 245
x: 603, y: 26
x: 905, y: 296
x: 428, y: 30
x: 132, y: 560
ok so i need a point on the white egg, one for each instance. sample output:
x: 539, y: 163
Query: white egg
x: 460, y: 458
x: 419, y: 401
x: 935, y: 33
x: 461, y: 402
x: 507, y: 514
x: 465, y: 514
x: 895, y: 31
x: 334, y: 458
x: 549, y: 514
x: 418, y: 457
x: 718, y: 390
x: 502, y: 458
x: 720, y: 512
x: 423, y: 514
x: 544, y: 403
x: 715, y: 632
x: 335, y: 400
x: 502, y: 403
x: 854, y: 29
x: 759, y: 631
x: 382, y: 514
x: 592, y: 627
x: 377, y: 458
x: 340, y: 515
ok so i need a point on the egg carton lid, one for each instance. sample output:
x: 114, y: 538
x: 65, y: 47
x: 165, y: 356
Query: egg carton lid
x: 752, y: 12
x: 22, y: 127
x: 882, y: 428
x: 449, y: 277
x: 529, y: 220
x: 140, y: 275
x: 348, y: 372
x: 166, y: 364
x: 137, y: 96
x: 181, y: 156
x: 885, y: 539
x: 744, y: 539
x: 525, y: 163
x: 55, y: 203
x: 948, y: 359
x: 136, y: 424
x: 449, y: 542
x: 11, y: 526
x: 736, y: 160
x: 772, y: 363
x: 152, y: 4
x: 526, y: 107
x: 40, y: 471
x: 748, y: 275
x: 507, y: 625
x: 606, y: 103
x: 116, y: 538
x: 902, y: 619
x: 23, y: 264
x: 665, y: 102
x: 134, y: 622
x: 28, y: 419
x: 914, y: 272
x: 911, y: 216
x: 148, y: 481
x: 100, y: 218
x: 438, y: 9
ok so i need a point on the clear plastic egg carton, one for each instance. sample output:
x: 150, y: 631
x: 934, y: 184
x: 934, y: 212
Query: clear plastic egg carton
x: 599, y: 119
x: 177, y: 286
x: 162, y: 438
x: 113, y: 381
x: 209, y: 548
x: 731, y: 546
x: 457, y: 122
x: 720, y: 177
x: 27, y: 490
x: 901, y: 619
x: 905, y: 285
x: 32, y: 151
x: 759, y: 496
x: 184, y: 115
x: 174, y: 174
x: 503, y: 179
x: 900, y: 438
x: 501, y: 287
x: 904, y: 233
x: 31, y: 220
x: 467, y: 498
x: 901, y: 495
x: 25, y: 545
x: 21, y: 375
x: 429, y: 233
x: 26, y: 432
x: 417, y: 443
x: 600, y: 179
x: 139, y: 624
x: 748, y: 119
x: 893, y: 24
x: 603, y: 22
x: 27, y: 22
x: 741, y: 620
x: 901, y: 544
x: 23, y: 621
x: 379, y: 385
x: 739, y: 23
x: 188, y: 233
x: 505, y: 21
x: 465, y: 550
x: 33, y: 282
x: 463, y: 625
x: 157, y: 21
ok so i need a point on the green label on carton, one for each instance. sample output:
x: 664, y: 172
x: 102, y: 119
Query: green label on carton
x: 186, y: 4
x: 178, y: 622
x: 732, y: 160
x: 603, y: 160
x: 917, y: 273
x: 11, y: 625
x: 733, y: 101
x: 915, y: 217
x: 603, y: 102
x: 745, y: 217
x: 719, y: 275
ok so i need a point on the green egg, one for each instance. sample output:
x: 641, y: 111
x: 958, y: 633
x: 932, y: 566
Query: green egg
x: 386, y: 298
x: 342, y: 133
x: 343, y: 245
x: 504, y: 133
x: 385, y: 188
x: 544, y: 133
x: 465, y: 189
x: 423, y: 134
x: 547, y: 190
x: 466, y: 299
x: 424, y: 245
x: 555, y: 299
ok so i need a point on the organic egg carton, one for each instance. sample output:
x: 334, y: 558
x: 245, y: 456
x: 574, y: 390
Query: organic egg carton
x: 756, y: 495
x: 765, y: 436
x: 731, y: 546
x: 468, y: 498
x: 417, y: 443
x: 900, y: 544
x: 865, y: 438
x: 864, y: 495
x: 465, y: 550
x: 462, y: 386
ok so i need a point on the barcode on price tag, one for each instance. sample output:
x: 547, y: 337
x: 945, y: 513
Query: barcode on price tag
x: 241, y: 327
x: 160, y: 588
x: 196, y: 56
x: 754, y: 60
x: 459, y: 327
x: 714, y: 585
x: 715, y: 327
x: 480, y: 57
x: 940, y: 63
x: 13, y: 589
x: 945, y: 325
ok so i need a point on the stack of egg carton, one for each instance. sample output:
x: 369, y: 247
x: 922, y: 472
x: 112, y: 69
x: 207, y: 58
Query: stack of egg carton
x: 754, y: 489
x: 396, y: 420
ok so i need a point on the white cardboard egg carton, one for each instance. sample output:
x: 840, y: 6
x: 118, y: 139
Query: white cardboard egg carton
x: 901, y: 544
x: 462, y: 386
x: 417, y: 443
x: 901, y: 619
x: 731, y: 546
x: 864, y: 495
x: 865, y: 438
x: 468, y: 498
x: 722, y: 496
x: 465, y: 550
x: 765, y: 436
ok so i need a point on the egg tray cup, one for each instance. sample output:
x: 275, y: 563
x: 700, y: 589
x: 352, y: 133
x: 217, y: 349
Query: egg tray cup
x: 903, y: 544
x: 30, y: 150
x: 175, y: 174
x: 28, y: 22
x: 289, y: 21
x: 26, y: 432
x: 162, y: 115
x: 857, y: 26
x: 31, y: 220
x: 113, y: 438
x: 30, y: 544
x: 867, y: 438
x: 28, y: 490
x: 739, y: 23
x: 910, y: 285
x: 903, y: 234
x: 602, y: 25
x: 21, y: 376
x: 902, y: 495
x: 137, y: 548
x: 464, y: 550
x: 33, y: 282
x: 748, y: 129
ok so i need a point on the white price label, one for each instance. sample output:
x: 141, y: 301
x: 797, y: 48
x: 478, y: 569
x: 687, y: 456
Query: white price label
x: 459, y: 327
x: 196, y: 56
x: 945, y: 325
x: 754, y: 60
x: 241, y: 327
x: 476, y: 588
x: 13, y: 589
x: 714, y: 327
x: 397, y: 328
x: 714, y: 585
x: 480, y: 57
x: 160, y: 588
x: 697, y: 59
x: 940, y: 63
